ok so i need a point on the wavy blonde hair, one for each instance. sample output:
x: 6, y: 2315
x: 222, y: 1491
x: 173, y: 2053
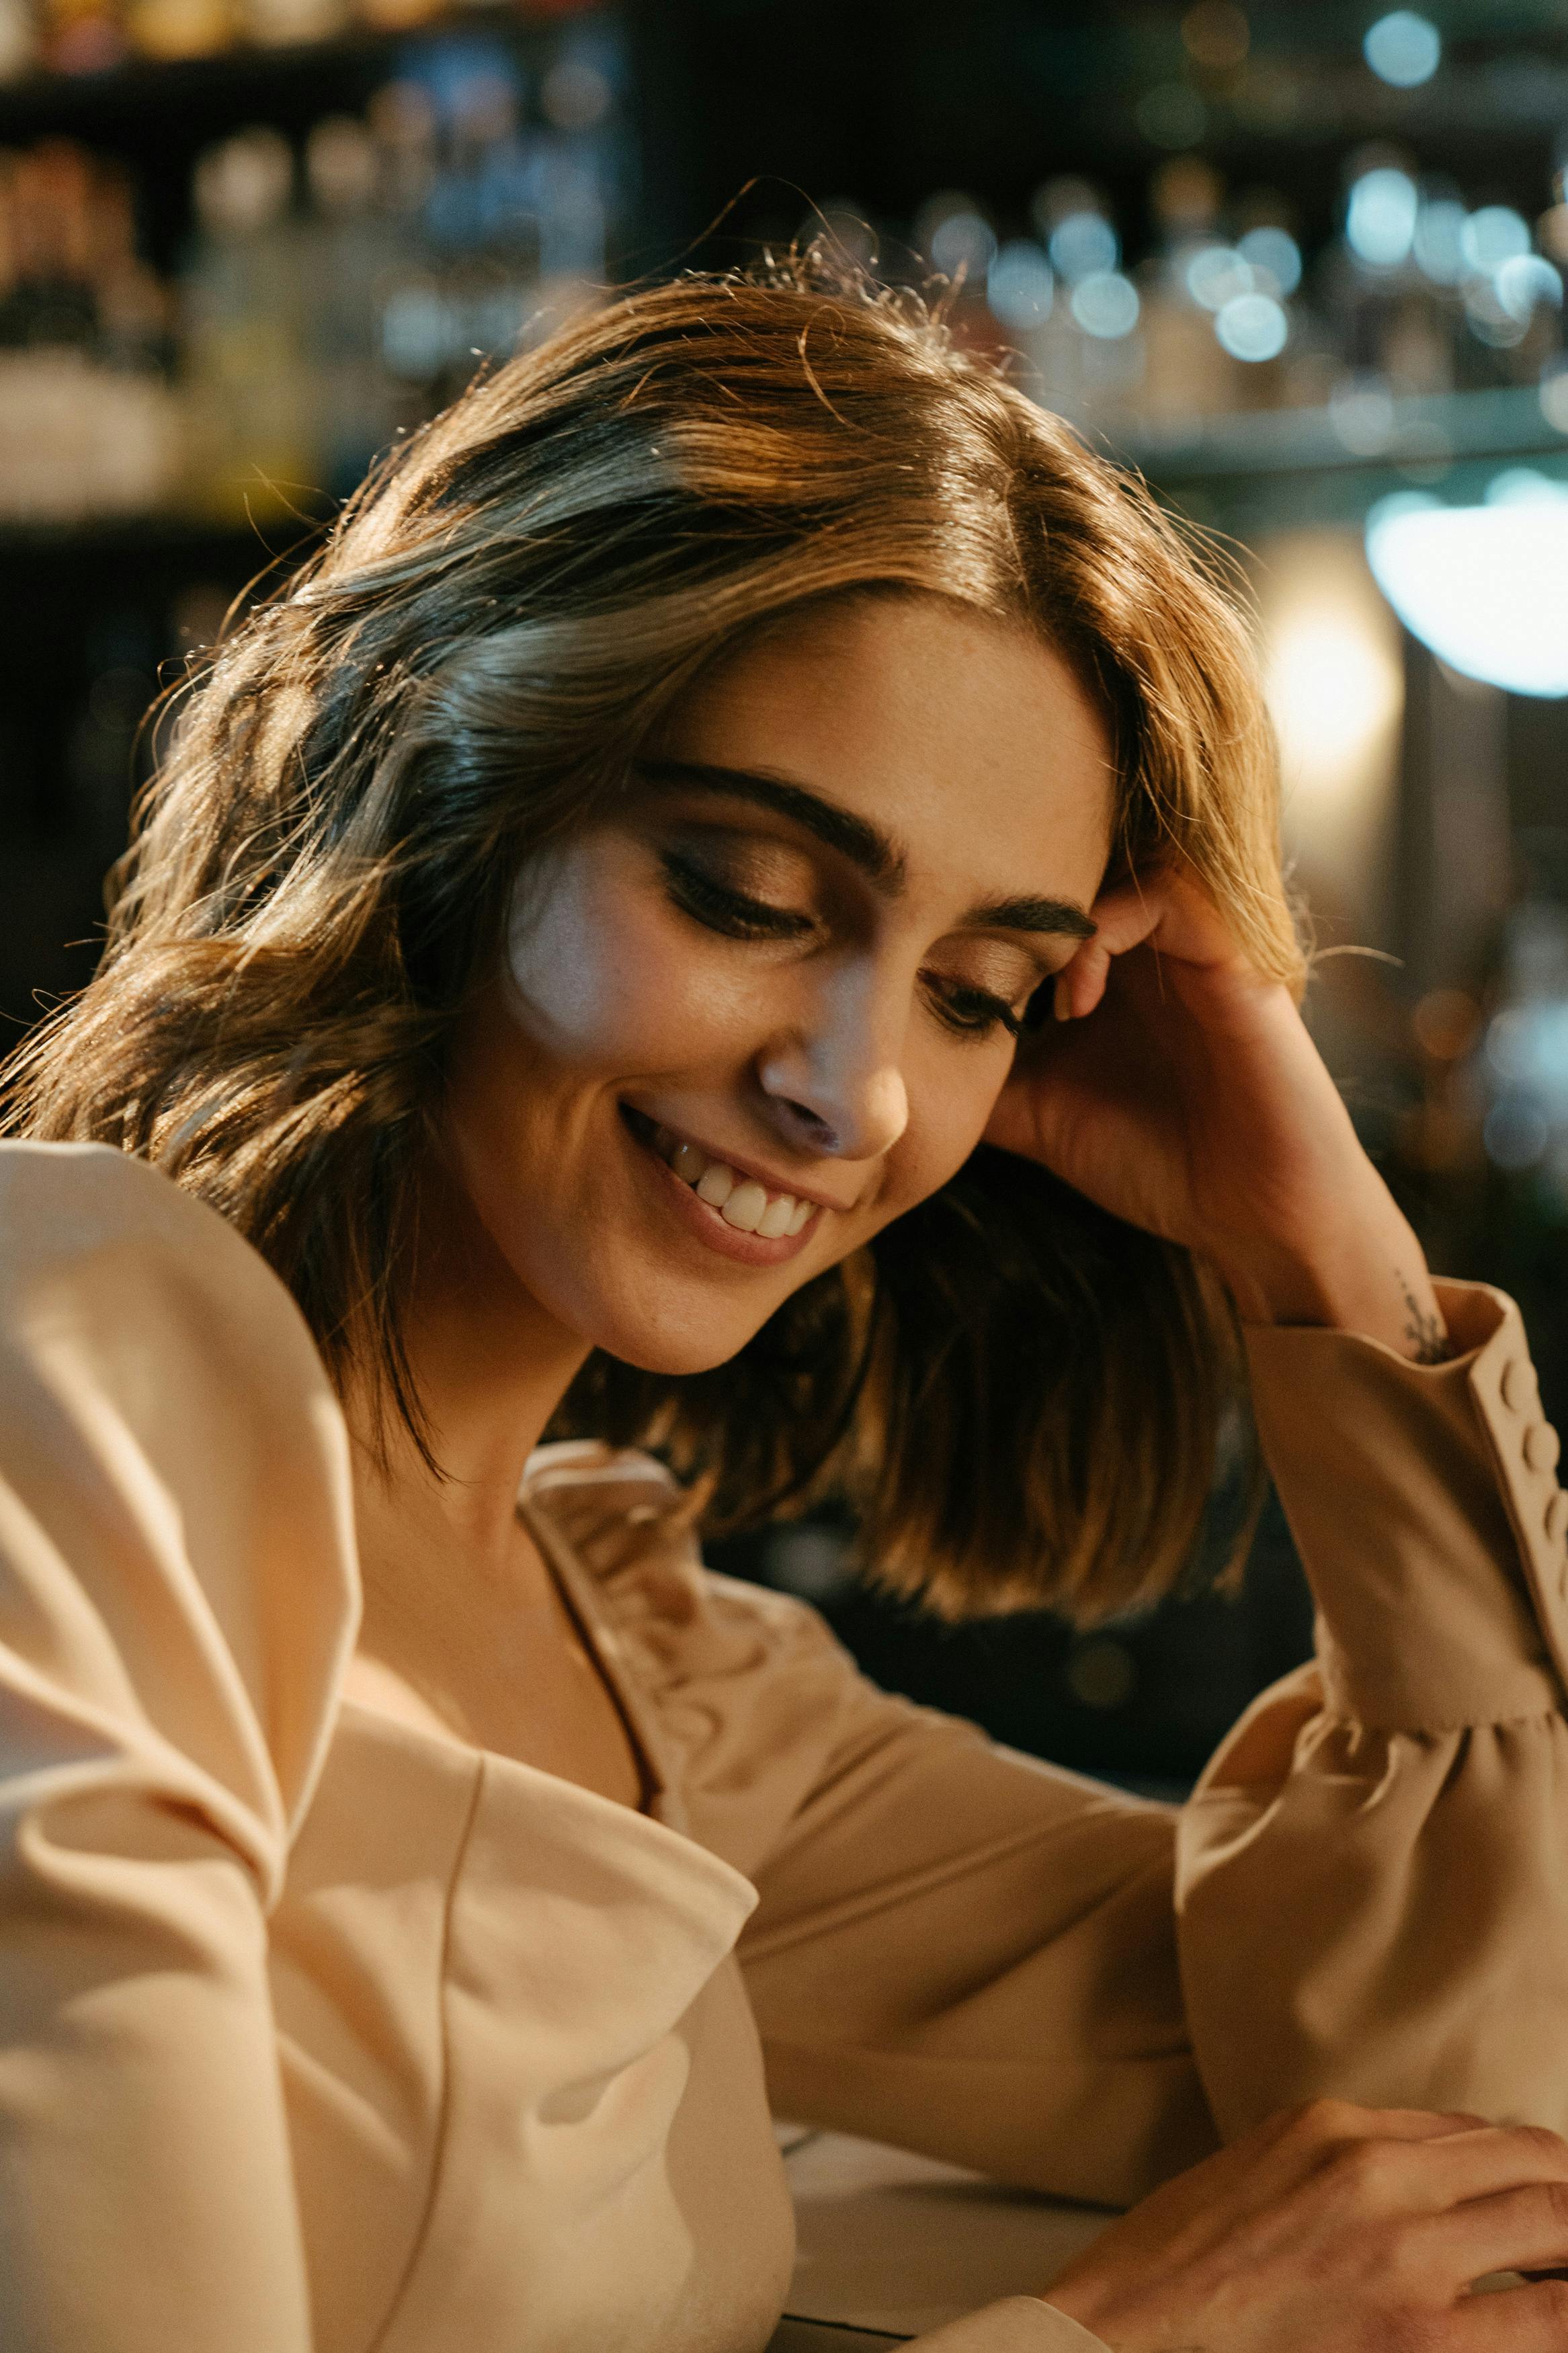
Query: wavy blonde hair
x: 1022, y: 1393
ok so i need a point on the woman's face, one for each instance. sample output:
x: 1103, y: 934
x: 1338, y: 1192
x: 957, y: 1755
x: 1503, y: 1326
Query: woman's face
x: 768, y: 1005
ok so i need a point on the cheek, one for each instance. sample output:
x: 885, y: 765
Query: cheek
x: 953, y: 1093
x: 602, y: 979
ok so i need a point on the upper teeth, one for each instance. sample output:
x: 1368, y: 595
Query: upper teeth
x: 740, y: 1201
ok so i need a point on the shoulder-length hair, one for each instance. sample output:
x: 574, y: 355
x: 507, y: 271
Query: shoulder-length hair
x: 1022, y: 1393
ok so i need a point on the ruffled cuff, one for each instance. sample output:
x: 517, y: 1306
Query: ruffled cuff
x: 1425, y: 1504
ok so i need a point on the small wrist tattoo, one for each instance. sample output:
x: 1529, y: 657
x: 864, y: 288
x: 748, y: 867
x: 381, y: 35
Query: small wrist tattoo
x: 1429, y: 1342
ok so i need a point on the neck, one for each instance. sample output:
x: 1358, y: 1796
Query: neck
x: 490, y: 1365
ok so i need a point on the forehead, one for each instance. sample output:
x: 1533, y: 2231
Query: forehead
x: 969, y: 741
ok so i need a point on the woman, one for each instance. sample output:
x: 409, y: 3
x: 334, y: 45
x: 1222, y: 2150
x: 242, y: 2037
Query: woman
x: 582, y: 946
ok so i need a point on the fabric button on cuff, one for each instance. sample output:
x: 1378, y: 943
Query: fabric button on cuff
x: 1541, y: 1446
x: 1519, y: 1386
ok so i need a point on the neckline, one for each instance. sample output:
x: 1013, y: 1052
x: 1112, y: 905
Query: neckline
x: 507, y: 1782
x: 576, y: 1587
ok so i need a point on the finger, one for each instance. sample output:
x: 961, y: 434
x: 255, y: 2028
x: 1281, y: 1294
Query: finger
x: 1322, y: 2122
x: 1447, y: 2199
x: 1475, y: 2164
x: 1519, y: 2320
x: 1125, y: 917
x: 1169, y: 906
x: 1515, y: 2231
x: 1081, y: 984
x: 1159, y: 908
x: 1340, y: 2117
x: 1295, y: 2143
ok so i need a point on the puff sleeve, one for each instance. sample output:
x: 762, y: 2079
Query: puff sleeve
x: 965, y: 1952
x: 1372, y: 1878
x: 177, y: 1596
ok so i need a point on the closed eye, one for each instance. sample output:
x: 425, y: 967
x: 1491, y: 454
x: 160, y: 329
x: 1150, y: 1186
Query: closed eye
x: 973, y: 1012
x: 734, y: 913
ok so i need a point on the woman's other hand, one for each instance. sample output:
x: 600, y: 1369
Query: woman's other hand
x: 1182, y: 1091
x: 1335, y: 2229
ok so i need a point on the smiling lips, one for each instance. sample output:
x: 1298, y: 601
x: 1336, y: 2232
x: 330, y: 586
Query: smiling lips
x: 739, y: 1200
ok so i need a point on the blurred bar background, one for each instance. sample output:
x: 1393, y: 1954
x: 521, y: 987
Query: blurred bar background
x: 1301, y: 262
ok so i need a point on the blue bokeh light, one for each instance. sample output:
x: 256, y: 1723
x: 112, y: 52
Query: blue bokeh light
x: 1380, y: 217
x: 1105, y: 304
x: 1020, y: 285
x: 1486, y: 587
x: 1083, y: 244
x: 1253, y: 327
x: 1402, y: 48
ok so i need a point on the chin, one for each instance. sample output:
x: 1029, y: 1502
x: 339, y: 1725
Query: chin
x: 673, y: 1343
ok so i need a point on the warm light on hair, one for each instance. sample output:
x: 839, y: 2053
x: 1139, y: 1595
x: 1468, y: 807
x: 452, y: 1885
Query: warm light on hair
x: 1025, y: 1391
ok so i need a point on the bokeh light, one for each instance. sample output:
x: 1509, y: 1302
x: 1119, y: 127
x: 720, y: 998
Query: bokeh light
x: 1083, y: 244
x: 1525, y: 281
x: 1216, y: 274
x: 1438, y: 242
x: 1486, y: 587
x: 1216, y: 34
x: 1106, y: 305
x: 1253, y: 327
x: 1402, y: 48
x: 1330, y: 688
x: 1273, y: 255
x: 1494, y: 235
x: 962, y: 245
x: 1380, y: 217
x: 1020, y: 285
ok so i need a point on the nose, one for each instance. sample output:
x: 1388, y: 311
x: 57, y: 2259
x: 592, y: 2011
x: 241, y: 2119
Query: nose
x: 834, y: 1084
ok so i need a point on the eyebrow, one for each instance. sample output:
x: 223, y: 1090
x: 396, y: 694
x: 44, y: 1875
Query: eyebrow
x: 1062, y: 917
x: 865, y: 845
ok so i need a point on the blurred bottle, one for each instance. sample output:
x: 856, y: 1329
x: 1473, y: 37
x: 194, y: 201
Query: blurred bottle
x: 82, y: 36
x: 1087, y: 351
x: 1188, y: 373
x: 88, y: 424
x: 346, y: 248
x: 414, y: 333
x: 18, y: 40
x: 180, y: 29
x: 133, y: 310
x: 485, y: 220
x: 398, y: 16
x: 254, y: 415
x: 275, y: 23
x: 498, y: 225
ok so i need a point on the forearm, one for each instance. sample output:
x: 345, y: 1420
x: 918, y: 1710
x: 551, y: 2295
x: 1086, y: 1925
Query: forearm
x: 1328, y: 1244
x: 1369, y: 1276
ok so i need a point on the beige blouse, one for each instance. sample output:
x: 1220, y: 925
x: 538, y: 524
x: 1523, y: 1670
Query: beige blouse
x: 318, y: 2034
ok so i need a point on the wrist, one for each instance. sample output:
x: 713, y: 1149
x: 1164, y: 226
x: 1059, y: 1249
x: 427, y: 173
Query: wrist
x: 1372, y: 1280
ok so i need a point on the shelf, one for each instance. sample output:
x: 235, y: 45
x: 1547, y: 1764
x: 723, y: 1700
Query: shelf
x: 1507, y: 422
x: 1272, y: 469
x: 127, y: 103
x: 1292, y: 460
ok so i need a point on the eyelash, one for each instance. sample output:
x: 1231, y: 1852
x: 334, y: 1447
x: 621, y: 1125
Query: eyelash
x: 985, y: 1013
x: 731, y: 911
x: 969, y: 1012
